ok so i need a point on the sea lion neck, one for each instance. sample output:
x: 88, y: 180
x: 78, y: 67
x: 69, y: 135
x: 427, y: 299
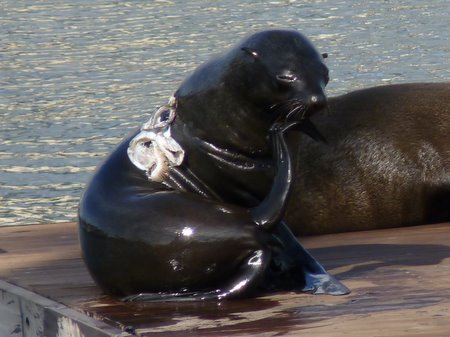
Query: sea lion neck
x: 233, y: 127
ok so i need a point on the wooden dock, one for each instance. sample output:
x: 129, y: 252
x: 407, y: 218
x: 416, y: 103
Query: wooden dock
x: 400, y: 281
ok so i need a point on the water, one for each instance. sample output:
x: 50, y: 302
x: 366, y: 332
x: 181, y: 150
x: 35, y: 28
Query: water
x: 77, y: 76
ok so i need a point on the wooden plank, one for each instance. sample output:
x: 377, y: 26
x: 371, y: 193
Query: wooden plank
x: 399, y: 281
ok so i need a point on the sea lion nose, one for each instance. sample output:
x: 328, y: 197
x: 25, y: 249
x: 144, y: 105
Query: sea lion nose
x: 317, y: 101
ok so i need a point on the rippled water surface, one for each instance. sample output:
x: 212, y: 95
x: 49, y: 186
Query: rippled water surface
x: 76, y: 76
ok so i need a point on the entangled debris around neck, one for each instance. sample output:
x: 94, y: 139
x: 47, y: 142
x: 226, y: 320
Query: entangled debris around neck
x: 153, y: 150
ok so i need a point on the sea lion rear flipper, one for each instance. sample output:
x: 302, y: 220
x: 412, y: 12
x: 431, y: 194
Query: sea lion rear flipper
x: 296, y: 269
x: 241, y: 285
x: 324, y: 284
x: 318, y: 280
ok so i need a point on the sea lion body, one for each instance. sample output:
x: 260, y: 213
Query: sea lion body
x: 386, y: 162
x: 194, y: 230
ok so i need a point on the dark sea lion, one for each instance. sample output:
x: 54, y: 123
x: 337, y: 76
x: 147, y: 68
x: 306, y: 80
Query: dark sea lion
x: 192, y: 206
x: 386, y: 162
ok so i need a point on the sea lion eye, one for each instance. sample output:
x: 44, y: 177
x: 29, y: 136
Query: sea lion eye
x: 251, y: 52
x: 287, y: 78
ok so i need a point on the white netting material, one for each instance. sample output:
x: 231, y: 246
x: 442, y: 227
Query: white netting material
x: 153, y: 150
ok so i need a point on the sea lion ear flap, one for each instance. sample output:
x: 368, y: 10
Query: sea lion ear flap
x: 252, y: 52
x: 325, y: 55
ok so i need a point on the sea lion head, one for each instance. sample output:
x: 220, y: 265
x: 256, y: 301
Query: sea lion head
x: 272, y: 75
x: 287, y: 71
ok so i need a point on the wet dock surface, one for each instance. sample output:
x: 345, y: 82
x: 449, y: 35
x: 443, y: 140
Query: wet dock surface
x: 399, y: 281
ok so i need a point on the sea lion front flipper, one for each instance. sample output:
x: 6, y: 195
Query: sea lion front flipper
x: 292, y: 267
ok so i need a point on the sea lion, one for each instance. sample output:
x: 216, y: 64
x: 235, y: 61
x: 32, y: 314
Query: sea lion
x: 192, y: 206
x: 386, y: 162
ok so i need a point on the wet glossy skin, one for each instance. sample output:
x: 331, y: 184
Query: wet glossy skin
x: 218, y: 232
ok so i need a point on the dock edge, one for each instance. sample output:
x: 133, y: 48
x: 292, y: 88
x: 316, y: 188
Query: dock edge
x: 27, y: 314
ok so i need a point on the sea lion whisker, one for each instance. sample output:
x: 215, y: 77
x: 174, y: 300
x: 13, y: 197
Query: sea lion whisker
x: 285, y: 102
x: 284, y: 110
x: 287, y: 106
x: 280, y: 105
x: 296, y: 111
x: 291, y: 113
x: 303, y: 112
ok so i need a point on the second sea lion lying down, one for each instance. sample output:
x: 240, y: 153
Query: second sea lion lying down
x: 386, y: 162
